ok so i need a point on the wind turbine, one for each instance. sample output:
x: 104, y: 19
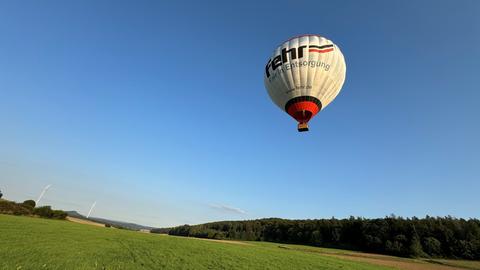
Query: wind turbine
x: 43, y: 193
x: 91, y: 208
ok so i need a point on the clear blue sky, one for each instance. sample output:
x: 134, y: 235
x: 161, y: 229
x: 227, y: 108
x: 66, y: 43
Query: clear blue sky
x: 158, y: 110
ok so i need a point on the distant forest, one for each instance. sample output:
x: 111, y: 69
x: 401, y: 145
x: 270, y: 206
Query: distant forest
x: 445, y: 237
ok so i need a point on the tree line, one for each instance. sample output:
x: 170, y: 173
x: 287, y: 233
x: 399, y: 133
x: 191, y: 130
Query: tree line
x: 27, y: 208
x: 445, y: 237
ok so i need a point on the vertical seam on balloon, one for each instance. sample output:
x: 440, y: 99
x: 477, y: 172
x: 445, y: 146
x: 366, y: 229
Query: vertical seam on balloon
x: 334, y: 58
x: 324, y: 82
x: 329, y: 90
x: 308, y: 67
x: 301, y: 70
x: 317, y: 56
x: 288, y: 81
x: 336, y: 84
x: 331, y: 81
x: 285, y: 81
x: 339, y: 71
x: 291, y: 69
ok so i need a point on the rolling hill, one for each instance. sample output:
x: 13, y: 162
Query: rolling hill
x: 35, y: 243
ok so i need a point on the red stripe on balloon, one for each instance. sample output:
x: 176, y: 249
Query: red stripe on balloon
x: 321, y: 51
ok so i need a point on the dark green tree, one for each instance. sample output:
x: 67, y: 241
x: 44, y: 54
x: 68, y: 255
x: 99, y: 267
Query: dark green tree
x: 432, y: 246
x: 415, y: 248
x: 29, y: 203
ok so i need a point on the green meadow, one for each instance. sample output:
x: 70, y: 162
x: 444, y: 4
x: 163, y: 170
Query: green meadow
x: 36, y: 243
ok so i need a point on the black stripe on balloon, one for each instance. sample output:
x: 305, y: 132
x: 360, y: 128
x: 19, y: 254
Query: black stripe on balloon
x: 321, y: 47
x: 303, y: 98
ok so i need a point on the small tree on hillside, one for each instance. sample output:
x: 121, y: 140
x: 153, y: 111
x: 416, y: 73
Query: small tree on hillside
x: 44, y: 211
x: 1, y: 194
x: 29, y: 203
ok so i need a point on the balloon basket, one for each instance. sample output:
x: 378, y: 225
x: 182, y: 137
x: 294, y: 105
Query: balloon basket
x: 302, y: 127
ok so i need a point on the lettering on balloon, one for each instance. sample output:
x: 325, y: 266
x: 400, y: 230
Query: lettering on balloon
x: 297, y: 64
x: 294, y: 53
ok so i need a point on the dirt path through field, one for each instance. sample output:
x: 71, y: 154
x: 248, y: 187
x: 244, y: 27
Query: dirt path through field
x: 224, y: 241
x: 376, y: 259
x: 83, y: 221
x: 403, y: 264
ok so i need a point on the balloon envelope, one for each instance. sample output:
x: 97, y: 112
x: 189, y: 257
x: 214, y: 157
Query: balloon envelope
x: 304, y: 75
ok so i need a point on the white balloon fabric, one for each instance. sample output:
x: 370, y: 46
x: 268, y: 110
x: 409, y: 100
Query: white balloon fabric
x: 304, y: 75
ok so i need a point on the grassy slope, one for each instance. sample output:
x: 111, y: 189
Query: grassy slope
x: 472, y: 265
x: 33, y: 243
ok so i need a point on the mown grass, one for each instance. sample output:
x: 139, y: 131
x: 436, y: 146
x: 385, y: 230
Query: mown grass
x: 34, y: 243
x: 474, y: 265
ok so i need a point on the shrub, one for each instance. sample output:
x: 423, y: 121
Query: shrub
x: 47, y: 212
x: 29, y: 203
x: 27, y: 209
x: 12, y: 208
x: 58, y: 214
x: 43, y: 211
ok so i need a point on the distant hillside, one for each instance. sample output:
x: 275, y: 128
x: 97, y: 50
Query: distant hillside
x: 113, y: 223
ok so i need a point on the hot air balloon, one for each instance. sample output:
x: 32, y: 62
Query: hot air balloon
x: 304, y: 75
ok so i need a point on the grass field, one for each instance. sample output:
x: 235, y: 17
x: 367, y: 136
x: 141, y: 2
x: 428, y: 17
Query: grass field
x: 34, y: 243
